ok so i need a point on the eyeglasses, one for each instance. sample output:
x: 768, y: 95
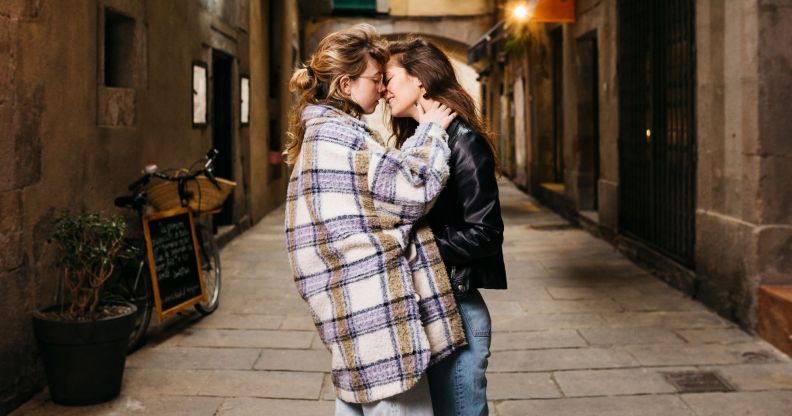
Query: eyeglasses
x: 376, y: 78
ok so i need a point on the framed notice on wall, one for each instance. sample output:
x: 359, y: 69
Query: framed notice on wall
x: 174, y: 262
x: 244, y: 93
x: 199, y: 97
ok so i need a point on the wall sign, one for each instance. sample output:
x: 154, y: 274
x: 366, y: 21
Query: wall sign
x: 244, y: 93
x: 199, y: 98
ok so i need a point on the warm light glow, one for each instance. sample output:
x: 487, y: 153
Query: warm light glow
x: 521, y: 12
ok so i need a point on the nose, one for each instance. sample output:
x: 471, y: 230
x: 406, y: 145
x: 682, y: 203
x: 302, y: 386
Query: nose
x: 381, y: 89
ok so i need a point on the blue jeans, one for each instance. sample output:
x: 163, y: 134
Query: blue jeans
x: 459, y: 383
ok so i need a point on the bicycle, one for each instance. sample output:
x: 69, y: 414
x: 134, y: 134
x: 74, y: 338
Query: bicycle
x: 136, y: 285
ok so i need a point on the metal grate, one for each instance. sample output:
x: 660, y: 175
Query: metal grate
x: 697, y: 382
x: 657, y: 145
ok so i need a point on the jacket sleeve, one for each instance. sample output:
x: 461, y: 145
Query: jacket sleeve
x: 480, y: 233
x: 404, y: 183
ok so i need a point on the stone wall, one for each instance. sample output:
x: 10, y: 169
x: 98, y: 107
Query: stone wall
x: 71, y: 142
x: 744, y: 215
x: 744, y: 208
x: 595, y: 19
x: 20, y: 167
x: 774, y: 147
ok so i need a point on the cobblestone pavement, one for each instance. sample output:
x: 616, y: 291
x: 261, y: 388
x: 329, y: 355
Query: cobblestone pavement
x: 580, y: 331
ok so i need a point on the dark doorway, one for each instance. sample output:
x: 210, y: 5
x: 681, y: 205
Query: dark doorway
x: 276, y: 43
x: 588, y: 120
x: 222, y: 127
x: 557, y: 41
x: 657, y: 140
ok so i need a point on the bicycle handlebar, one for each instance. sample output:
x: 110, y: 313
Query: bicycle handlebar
x: 151, y: 171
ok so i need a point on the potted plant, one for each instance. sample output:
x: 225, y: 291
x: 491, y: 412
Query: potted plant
x: 83, y: 341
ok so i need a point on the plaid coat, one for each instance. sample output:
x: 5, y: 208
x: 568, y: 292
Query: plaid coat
x: 363, y: 258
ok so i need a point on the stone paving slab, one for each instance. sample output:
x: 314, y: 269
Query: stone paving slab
x: 247, y: 338
x: 241, y: 321
x: 568, y: 306
x: 757, y: 377
x: 768, y: 403
x: 619, y: 382
x: 266, y: 384
x: 539, y: 294
x: 328, y: 391
x: 509, y: 386
x: 247, y: 406
x: 129, y: 405
x: 164, y: 382
x: 630, y: 336
x: 195, y: 358
x: 714, y: 335
x: 512, y: 323
x: 651, y: 405
x: 668, y: 319
x: 702, y: 354
x: 294, y: 360
x: 560, y: 359
x: 658, y: 302
x: 502, y: 341
x: 580, y: 331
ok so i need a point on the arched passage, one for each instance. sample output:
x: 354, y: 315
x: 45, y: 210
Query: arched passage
x: 453, y: 34
x: 460, y: 32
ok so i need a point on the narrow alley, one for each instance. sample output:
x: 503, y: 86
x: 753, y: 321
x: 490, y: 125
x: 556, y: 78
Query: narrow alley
x: 580, y: 331
x: 645, y: 164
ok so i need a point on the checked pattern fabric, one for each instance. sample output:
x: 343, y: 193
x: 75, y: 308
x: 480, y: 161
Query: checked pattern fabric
x: 362, y: 257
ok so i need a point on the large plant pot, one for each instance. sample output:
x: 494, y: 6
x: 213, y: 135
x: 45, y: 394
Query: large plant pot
x: 84, y: 361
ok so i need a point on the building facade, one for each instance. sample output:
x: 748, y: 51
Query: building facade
x: 659, y: 125
x: 93, y: 90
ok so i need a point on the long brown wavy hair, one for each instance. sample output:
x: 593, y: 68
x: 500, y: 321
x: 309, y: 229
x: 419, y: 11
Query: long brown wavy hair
x: 427, y: 62
x: 341, y: 54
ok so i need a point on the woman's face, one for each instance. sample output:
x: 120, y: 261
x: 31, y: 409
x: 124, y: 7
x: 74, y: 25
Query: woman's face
x: 403, y: 90
x: 366, y: 90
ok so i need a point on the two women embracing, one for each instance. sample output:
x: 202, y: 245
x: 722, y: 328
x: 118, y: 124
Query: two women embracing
x: 389, y: 241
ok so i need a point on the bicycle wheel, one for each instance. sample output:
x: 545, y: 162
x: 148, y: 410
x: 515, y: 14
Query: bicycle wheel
x: 139, y: 293
x: 210, y: 263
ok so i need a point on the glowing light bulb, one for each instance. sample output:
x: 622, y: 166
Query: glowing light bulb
x: 521, y: 12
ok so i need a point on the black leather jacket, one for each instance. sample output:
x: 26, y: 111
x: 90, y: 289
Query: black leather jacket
x: 466, y: 218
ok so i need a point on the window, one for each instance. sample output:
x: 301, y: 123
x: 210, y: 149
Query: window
x: 119, y: 50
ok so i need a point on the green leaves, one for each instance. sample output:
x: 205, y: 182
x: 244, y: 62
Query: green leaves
x: 88, y: 244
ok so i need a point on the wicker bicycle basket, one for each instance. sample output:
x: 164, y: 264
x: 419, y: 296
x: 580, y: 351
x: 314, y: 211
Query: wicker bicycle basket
x: 205, y: 195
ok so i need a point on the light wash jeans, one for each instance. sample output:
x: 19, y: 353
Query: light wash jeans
x: 413, y: 402
x: 458, y: 383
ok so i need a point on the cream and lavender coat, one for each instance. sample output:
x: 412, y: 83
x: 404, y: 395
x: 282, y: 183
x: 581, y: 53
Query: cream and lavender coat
x: 363, y: 258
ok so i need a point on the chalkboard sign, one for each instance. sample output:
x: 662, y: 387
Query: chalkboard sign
x: 173, y: 260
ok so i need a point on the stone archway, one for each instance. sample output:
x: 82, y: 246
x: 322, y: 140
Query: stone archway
x: 457, y: 31
x: 454, y: 34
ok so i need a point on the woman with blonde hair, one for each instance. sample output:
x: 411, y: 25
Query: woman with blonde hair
x: 361, y: 255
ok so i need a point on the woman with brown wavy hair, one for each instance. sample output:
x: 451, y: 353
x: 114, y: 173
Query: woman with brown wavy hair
x: 360, y: 256
x: 466, y: 219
